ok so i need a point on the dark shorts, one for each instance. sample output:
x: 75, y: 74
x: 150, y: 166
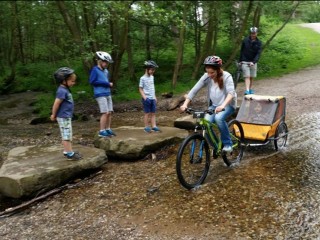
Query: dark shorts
x: 149, y: 105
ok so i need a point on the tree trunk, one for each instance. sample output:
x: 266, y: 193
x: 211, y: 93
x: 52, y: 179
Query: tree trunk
x: 132, y: 74
x: 256, y: 17
x: 9, y: 81
x: 180, y: 49
x: 119, y: 35
x: 75, y: 32
x: 89, y: 26
x: 239, y: 38
x: 208, y: 40
x: 197, y: 33
x: 283, y: 25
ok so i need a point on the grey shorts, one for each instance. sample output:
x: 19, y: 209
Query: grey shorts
x: 105, y: 104
x: 249, y: 71
x: 65, y: 128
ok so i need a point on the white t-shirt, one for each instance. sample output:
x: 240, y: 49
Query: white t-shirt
x: 147, y: 84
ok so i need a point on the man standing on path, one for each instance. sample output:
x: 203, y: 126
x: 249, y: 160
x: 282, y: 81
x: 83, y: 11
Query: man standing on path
x: 249, y: 56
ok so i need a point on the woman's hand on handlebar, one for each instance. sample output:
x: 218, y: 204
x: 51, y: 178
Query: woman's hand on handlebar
x: 183, y: 108
x: 219, y: 109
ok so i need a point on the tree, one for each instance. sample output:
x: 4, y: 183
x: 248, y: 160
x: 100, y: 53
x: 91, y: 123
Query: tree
x: 211, y: 29
x: 180, y: 44
x: 293, y: 10
x: 74, y: 30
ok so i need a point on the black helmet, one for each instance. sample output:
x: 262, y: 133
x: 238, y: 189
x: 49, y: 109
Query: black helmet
x: 214, y: 61
x: 150, y: 64
x: 253, y: 30
x: 104, y: 56
x: 62, y: 74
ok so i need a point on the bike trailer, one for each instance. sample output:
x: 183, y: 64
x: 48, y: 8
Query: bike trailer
x: 260, y: 116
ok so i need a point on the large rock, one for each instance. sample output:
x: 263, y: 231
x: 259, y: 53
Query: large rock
x: 132, y: 143
x: 32, y: 169
x: 185, y: 122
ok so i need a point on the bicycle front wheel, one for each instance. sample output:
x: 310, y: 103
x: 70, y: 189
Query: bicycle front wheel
x: 193, y: 161
x: 237, y: 138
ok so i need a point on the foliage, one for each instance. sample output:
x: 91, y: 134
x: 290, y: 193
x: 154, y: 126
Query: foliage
x: 33, y: 46
x: 310, y: 11
x: 293, y: 49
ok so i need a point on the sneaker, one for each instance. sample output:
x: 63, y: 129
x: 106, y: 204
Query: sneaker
x: 251, y: 91
x: 110, y: 132
x: 247, y: 92
x: 75, y: 156
x: 147, y: 129
x: 155, y: 129
x: 227, y: 149
x: 103, y: 133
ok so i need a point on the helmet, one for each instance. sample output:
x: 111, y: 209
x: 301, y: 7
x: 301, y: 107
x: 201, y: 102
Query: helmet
x: 253, y: 30
x: 214, y: 61
x: 62, y: 74
x: 104, y: 56
x: 150, y: 64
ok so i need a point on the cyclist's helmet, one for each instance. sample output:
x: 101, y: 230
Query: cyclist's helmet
x: 104, y: 56
x: 62, y: 74
x: 214, y: 61
x: 253, y: 30
x: 150, y: 64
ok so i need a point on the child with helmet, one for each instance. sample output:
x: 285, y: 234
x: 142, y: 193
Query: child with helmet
x: 149, y: 99
x: 62, y: 109
x: 99, y: 79
x: 221, y: 96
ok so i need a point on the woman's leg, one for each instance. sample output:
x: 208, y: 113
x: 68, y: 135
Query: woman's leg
x: 220, y: 120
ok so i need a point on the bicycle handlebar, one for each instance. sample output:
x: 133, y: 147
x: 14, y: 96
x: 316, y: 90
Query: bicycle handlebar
x: 209, y: 111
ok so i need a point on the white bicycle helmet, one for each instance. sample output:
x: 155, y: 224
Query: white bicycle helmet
x: 104, y: 56
x: 253, y: 30
x: 150, y: 64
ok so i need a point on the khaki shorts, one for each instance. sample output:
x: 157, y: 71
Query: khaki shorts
x: 105, y: 104
x: 249, y: 71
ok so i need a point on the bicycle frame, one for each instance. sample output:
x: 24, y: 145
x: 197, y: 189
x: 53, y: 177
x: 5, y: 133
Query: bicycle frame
x: 208, y: 132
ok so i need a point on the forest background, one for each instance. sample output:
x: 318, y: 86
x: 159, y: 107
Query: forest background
x: 38, y: 37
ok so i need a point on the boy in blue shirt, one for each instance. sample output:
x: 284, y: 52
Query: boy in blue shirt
x: 62, y: 109
x: 99, y: 79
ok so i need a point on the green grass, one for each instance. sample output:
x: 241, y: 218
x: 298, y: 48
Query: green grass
x: 293, y: 49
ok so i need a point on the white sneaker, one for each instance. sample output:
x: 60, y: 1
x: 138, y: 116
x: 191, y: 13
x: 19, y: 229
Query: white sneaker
x: 227, y: 149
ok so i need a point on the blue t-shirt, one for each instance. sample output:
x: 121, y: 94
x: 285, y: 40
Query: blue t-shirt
x: 66, y: 107
x: 99, y: 79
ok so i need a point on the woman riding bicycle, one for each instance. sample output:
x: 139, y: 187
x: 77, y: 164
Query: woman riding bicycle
x: 222, y: 97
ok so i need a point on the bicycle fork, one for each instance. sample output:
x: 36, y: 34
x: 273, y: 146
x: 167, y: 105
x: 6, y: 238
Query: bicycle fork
x: 197, y: 159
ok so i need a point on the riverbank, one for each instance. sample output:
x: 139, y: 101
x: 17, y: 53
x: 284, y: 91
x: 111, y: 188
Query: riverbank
x: 143, y: 199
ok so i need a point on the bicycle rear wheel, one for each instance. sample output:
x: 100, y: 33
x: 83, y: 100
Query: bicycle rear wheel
x: 237, y: 75
x: 193, y: 161
x: 237, y: 137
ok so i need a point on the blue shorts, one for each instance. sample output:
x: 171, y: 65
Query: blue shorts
x: 65, y: 128
x: 149, y: 105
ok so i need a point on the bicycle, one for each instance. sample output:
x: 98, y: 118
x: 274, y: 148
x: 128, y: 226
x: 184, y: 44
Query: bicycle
x: 193, y: 158
x: 238, y: 73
